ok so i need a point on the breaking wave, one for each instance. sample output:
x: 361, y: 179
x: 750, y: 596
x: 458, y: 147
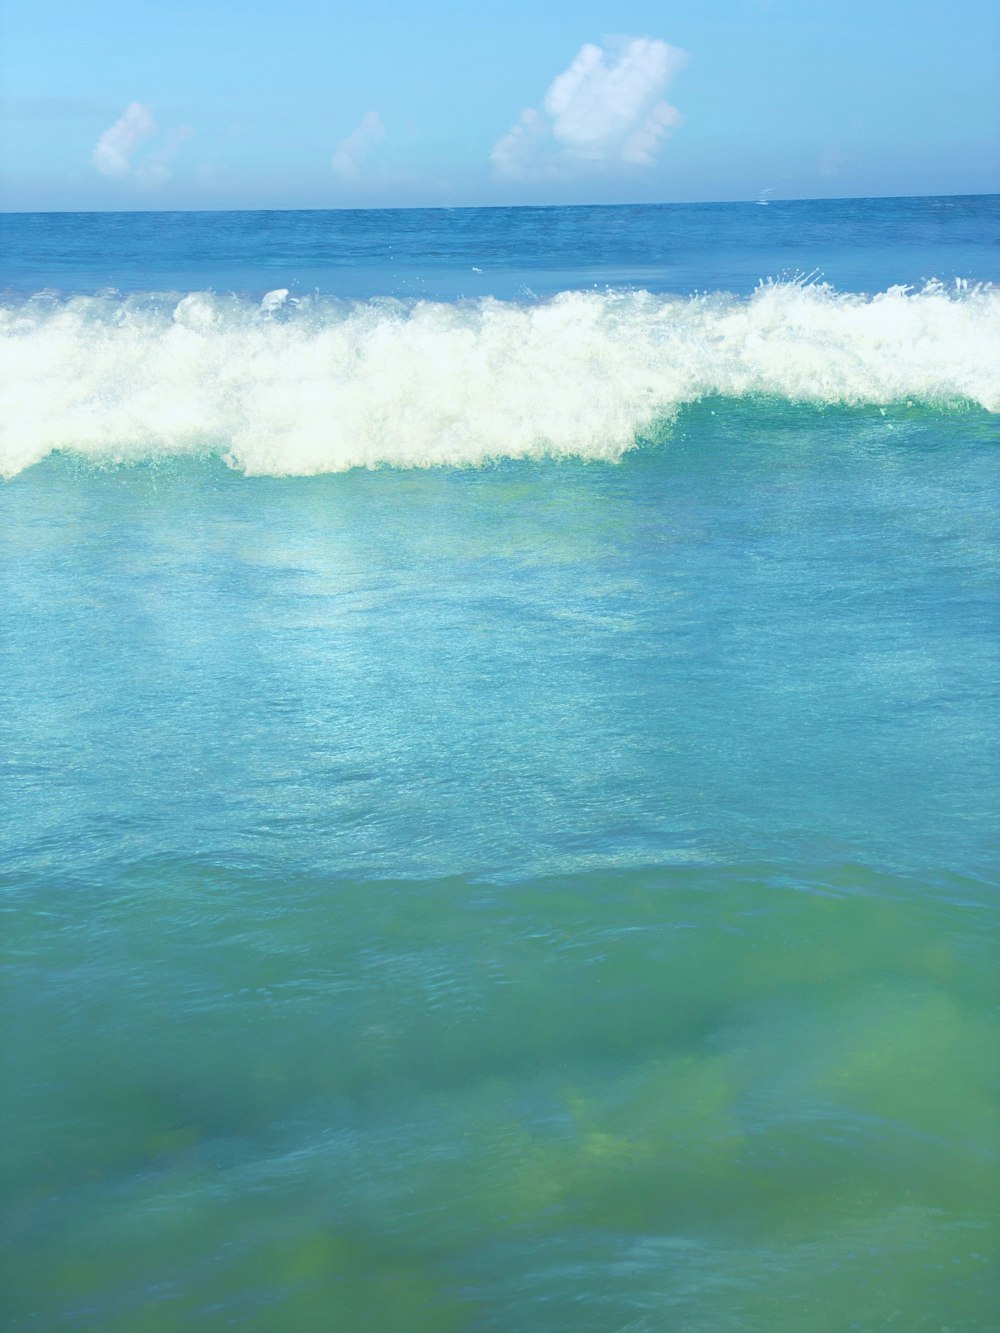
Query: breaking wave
x: 293, y: 386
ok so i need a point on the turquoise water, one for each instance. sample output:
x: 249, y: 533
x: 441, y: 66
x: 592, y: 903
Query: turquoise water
x: 498, y: 794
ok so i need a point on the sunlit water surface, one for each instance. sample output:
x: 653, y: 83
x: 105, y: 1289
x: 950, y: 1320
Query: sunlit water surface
x: 461, y: 886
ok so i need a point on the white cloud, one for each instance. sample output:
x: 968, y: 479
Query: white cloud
x: 120, y: 151
x: 520, y: 145
x: 605, y: 110
x: 114, y: 150
x: 351, y: 153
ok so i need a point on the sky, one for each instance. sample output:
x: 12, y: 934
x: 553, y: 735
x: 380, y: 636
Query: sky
x: 208, y: 104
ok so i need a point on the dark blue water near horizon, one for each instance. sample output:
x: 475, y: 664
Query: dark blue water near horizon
x: 499, y: 764
x: 447, y: 254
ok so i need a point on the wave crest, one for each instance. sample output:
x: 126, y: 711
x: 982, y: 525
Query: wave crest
x: 295, y: 387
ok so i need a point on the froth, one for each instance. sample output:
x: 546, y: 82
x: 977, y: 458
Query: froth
x: 317, y: 385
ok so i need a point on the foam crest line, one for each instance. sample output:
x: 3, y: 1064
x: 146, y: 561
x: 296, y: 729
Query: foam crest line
x: 288, y: 387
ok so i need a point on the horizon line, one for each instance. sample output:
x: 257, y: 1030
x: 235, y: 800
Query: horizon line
x: 456, y: 208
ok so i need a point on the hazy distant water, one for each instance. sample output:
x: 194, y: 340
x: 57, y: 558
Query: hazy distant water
x: 498, y: 769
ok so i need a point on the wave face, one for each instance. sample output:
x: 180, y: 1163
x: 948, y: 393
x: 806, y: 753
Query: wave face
x: 312, y: 385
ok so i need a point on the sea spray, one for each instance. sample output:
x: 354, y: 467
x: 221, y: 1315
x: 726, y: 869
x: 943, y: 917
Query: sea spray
x: 298, y: 387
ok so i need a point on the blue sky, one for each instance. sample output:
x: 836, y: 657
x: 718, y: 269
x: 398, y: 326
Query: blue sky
x: 310, y: 104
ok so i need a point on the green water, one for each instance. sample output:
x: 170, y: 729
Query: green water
x: 542, y: 897
x: 660, y: 1099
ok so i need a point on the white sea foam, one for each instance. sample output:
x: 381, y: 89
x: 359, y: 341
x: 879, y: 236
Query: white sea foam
x: 288, y: 386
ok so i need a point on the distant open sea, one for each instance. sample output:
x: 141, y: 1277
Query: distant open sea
x: 499, y: 769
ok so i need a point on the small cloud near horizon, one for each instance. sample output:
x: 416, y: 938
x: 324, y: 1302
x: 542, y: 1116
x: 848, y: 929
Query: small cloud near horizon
x: 351, y: 152
x: 606, y: 110
x: 114, y: 153
x: 114, y: 150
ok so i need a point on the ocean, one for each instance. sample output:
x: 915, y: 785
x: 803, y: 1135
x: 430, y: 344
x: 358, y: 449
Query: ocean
x: 499, y: 769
